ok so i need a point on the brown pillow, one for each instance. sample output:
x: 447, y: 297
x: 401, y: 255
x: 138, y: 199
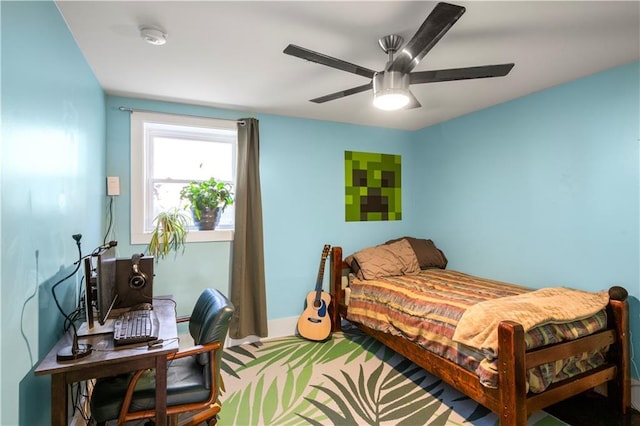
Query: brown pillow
x: 429, y: 256
x: 385, y: 260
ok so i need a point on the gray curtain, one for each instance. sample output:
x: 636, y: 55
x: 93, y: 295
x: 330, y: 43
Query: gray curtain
x: 247, y: 273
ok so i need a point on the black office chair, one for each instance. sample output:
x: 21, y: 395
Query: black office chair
x: 193, y: 376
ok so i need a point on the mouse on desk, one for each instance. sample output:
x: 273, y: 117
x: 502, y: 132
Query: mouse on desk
x: 142, y: 307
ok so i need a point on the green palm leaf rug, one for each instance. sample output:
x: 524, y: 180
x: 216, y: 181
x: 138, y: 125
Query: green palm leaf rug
x: 350, y: 379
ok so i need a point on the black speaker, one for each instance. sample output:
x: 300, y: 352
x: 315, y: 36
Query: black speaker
x: 134, y: 281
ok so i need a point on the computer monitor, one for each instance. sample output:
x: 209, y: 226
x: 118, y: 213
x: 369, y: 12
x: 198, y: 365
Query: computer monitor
x: 107, y: 292
x: 101, y: 292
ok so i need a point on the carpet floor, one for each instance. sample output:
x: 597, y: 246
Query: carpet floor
x: 350, y: 379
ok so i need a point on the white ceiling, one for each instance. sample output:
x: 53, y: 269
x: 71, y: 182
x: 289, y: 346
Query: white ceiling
x: 229, y: 54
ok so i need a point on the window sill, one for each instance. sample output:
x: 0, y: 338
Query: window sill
x: 194, y: 236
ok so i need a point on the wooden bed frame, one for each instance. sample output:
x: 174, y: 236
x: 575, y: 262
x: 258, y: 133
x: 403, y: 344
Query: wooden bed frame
x: 511, y: 401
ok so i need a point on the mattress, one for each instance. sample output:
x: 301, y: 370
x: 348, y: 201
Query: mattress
x: 425, y: 308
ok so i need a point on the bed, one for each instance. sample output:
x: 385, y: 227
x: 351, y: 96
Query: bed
x: 506, y: 380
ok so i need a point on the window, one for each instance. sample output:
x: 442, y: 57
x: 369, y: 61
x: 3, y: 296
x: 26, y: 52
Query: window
x: 169, y: 151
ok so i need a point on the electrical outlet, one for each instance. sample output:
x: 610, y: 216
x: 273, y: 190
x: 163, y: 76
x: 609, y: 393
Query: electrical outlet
x: 113, y: 185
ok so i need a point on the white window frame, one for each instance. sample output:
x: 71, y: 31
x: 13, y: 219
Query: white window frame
x: 139, y: 157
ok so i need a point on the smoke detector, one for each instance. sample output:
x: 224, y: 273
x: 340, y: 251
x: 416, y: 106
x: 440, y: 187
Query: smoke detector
x: 153, y: 36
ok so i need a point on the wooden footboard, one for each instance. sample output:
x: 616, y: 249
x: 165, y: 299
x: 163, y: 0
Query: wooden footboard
x: 511, y: 401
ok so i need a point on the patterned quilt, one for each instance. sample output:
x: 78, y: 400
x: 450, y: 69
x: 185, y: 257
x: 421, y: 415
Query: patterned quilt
x: 425, y: 308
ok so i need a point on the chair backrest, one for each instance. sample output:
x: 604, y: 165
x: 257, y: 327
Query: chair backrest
x: 210, y: 317
x: 210, y: 323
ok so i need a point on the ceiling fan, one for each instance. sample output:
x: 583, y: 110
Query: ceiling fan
x: 391, y: 86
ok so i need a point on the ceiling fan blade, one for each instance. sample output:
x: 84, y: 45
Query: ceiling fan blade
x: 342, y: 93
x: 413, y: 102
x: 322, y: 59
x: 441, y: 18
x: 484, y: 71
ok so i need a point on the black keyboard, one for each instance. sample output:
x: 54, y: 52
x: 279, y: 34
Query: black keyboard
x: 135, y: 327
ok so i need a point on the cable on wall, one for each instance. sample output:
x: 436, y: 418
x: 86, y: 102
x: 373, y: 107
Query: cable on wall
x: 109, y: 220
x: 24, y: 306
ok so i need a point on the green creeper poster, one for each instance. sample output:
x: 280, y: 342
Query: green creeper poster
x: 372, y: 186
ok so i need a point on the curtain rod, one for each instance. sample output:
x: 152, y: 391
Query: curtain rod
x: 129, y: 109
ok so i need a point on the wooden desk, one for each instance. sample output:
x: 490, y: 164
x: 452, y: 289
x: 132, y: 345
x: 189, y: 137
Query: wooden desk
x: 105, y: 360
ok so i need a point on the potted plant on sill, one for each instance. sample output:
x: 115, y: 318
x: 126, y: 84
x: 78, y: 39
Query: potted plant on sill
x: 170, y: 233
x: 207, y: 200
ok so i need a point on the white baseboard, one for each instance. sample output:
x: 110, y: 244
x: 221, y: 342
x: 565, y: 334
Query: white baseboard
x: 635, y: 394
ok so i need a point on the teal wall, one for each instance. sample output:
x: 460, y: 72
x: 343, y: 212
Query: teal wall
x: 543, y: 190
x: 203, y: 264
x: 302, y: 171
x: 52, y: 184
x: 302, y: 167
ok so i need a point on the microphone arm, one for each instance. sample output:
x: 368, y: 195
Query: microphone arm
x: 75, y: 351
x: 95, y: 251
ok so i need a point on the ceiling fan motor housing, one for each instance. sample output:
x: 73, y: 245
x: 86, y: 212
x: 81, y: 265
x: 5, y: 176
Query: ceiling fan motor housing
x: 390, y: 85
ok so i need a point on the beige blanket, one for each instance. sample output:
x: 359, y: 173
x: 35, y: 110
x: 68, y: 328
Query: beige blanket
x: 478, y: 326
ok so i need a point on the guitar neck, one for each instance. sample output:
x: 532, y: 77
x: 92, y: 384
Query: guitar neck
x: 325, y: 253
x: 319, y: 280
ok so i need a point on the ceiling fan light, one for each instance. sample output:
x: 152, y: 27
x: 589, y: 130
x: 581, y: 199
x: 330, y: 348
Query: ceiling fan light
x: 390, y: 101
x: 391, y: 90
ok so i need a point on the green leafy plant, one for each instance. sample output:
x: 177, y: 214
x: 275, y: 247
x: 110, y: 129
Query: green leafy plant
x: 206, y: 194
x: 170, y: 233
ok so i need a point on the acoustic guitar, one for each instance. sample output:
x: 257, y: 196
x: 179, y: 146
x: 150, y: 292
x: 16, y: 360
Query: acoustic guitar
x: 315, y: 323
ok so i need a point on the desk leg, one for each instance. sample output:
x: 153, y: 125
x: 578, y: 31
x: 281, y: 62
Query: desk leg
x: 161, y: 391
x: 59, y: 400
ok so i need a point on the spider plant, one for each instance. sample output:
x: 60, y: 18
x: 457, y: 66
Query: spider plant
x: 170, y: 233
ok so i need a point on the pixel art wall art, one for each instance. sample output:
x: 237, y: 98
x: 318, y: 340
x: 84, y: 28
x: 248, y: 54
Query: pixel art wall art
x: 372, y: 186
